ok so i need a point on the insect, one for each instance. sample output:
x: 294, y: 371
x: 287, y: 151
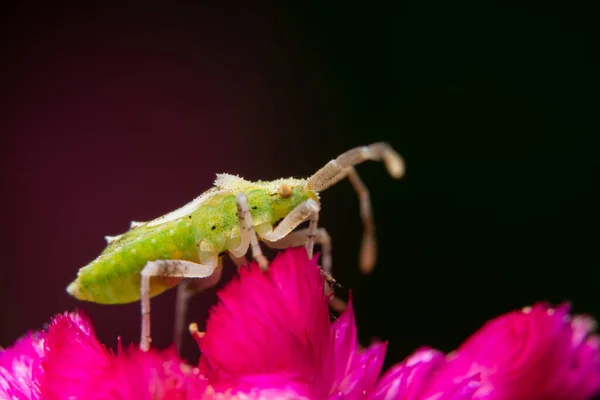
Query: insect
x: 232, y: 217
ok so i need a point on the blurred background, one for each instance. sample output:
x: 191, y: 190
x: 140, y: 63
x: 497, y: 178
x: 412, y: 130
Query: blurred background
x: 118, y: 114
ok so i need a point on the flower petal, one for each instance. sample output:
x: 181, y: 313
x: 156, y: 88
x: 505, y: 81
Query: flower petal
x: 277, y: 323
x: 77, y: 366
x: 271, y: 323
x: 73, y: 356
x: 535, y: 353
x: 578, y: 376
x: 344, y: 343
x: 140, y: 375
x: 20, y: 368
x: 362, y: 376
x: 408, y: 379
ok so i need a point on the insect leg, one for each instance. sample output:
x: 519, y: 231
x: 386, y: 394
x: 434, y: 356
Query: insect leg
x: 312, y: 232
x: 303, y: 211
x: 185, y: 291
x: 342, y: 167
x: 298, y: 238
x: 166, y: 268
x: 368, y: 247
x: 247, y: 233
x: 297, y: 216
x: 190, y: 288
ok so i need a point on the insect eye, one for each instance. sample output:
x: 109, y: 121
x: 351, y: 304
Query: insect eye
x: 285, y: 191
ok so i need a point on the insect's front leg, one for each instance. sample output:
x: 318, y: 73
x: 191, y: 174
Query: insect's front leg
x: 167, y: 269
x: 368, y: 249
x: 308, y: 209
x: 300, y: 237
x: 298, y: 215
x: 342, y: 167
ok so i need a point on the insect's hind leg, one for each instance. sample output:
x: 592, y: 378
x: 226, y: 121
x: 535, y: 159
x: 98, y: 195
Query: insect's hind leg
x: 187, y: 289
x: 167, y: 269
x: 190, y: 288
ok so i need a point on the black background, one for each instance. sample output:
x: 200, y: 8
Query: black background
x: 114, y: 114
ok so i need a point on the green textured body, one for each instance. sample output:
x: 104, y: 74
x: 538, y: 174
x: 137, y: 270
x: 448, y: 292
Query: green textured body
x: 197, y: 232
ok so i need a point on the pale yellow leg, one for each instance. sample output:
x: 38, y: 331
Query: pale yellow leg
x: 247, y: 234
x: 368, y: 248
x: 299, y: 238
x: 185, y: 291
x: 298, y: 215
x: 343, y: 166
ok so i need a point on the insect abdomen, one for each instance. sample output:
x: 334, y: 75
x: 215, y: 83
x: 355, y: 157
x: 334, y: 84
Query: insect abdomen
x: 114, y: 278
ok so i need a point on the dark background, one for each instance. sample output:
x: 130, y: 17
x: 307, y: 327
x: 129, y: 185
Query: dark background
x: 114, y: 114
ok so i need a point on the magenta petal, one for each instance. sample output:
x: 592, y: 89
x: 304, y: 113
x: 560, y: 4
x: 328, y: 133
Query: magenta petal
x: 144, y: 376
x: 77, y: 366
x: 277, y: 323
x: 74, y: 357
x: 271, y: 323
x: 371, y: 361
x: 362, y: 375
x: 345, y: 342
x: 23, y: 368
x: 536, y: 353
x: 409, y: 379
x: 464, y: 388
x: 579, y: 375
x: 20, y: 370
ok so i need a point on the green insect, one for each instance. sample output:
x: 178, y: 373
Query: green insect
x: 230, y: 218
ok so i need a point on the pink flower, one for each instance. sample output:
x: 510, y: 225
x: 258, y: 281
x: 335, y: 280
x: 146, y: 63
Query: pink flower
x: 20, y: 368
x: 536, y: 353
x: 270, y: 337
x: 69, y: 362
x: 274, y: 327
x: 277, y: 324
